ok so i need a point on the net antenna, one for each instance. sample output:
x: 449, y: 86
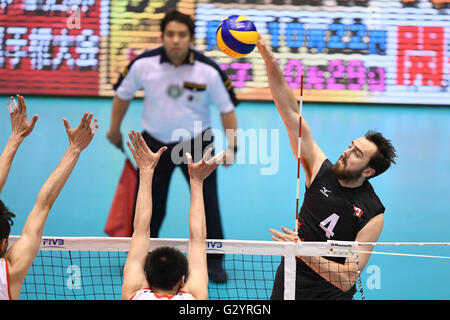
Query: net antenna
x: 299, y: 147
x: 290, y: 269
x: 297, y: 205
x: 358, y: 272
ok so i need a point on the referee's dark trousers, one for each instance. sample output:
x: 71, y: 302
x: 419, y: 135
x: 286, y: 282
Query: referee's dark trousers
x: 161, y: 181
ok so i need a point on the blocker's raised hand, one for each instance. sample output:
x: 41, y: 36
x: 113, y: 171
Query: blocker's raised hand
x: 202, y: 169
x: 20, y: 125
x: 144, y: 157
x: 81, y: 136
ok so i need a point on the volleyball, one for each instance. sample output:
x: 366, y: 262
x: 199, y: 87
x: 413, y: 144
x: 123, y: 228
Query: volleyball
x: 236, y: 36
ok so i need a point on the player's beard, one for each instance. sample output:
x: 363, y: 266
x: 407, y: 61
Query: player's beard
x: 340, y: 171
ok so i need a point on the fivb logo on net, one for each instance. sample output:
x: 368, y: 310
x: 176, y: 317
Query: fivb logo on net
x: 254, y: 143
x: 53, y: 243
x: 214, y: 246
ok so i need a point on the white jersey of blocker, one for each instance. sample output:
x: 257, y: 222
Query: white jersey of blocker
x: 148, y: 294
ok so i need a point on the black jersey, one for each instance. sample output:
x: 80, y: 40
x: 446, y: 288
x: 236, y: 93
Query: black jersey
x: 329, y: 212
x: 333, y: 212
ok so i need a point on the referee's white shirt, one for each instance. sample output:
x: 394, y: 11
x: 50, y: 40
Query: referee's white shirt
x: 176, y: 96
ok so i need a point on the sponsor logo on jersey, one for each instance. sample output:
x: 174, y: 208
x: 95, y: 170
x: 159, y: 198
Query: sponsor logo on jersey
x: 325, y: 191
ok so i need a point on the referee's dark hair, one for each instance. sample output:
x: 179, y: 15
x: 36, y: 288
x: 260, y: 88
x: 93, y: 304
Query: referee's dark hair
x: 175, y: 15
x: 5, y: 221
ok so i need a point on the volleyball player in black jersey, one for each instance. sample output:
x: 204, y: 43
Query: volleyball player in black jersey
x: 339, y: 202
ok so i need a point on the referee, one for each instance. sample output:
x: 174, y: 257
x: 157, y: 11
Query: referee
x: 179, y: 84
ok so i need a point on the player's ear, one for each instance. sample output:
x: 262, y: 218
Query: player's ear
x: 368, y: 172
x: 181, y: 283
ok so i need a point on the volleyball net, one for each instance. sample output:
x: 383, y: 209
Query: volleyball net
x: 91, y: 268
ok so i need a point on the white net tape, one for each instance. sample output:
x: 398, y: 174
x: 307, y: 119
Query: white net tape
x: 252, y: 264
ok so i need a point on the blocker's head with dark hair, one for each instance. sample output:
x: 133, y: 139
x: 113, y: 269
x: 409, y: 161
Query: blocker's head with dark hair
x: 165, y: 268
x: 6, y: 221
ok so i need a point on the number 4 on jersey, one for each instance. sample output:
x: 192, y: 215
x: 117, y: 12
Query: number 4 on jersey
x: 328, y: 225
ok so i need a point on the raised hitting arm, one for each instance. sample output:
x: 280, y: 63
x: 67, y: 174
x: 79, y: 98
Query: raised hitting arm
x: 133, y: 274
x: 197, y: 283
x: 312, y: 156
x: 21, y: 255
x: 20, y: 128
